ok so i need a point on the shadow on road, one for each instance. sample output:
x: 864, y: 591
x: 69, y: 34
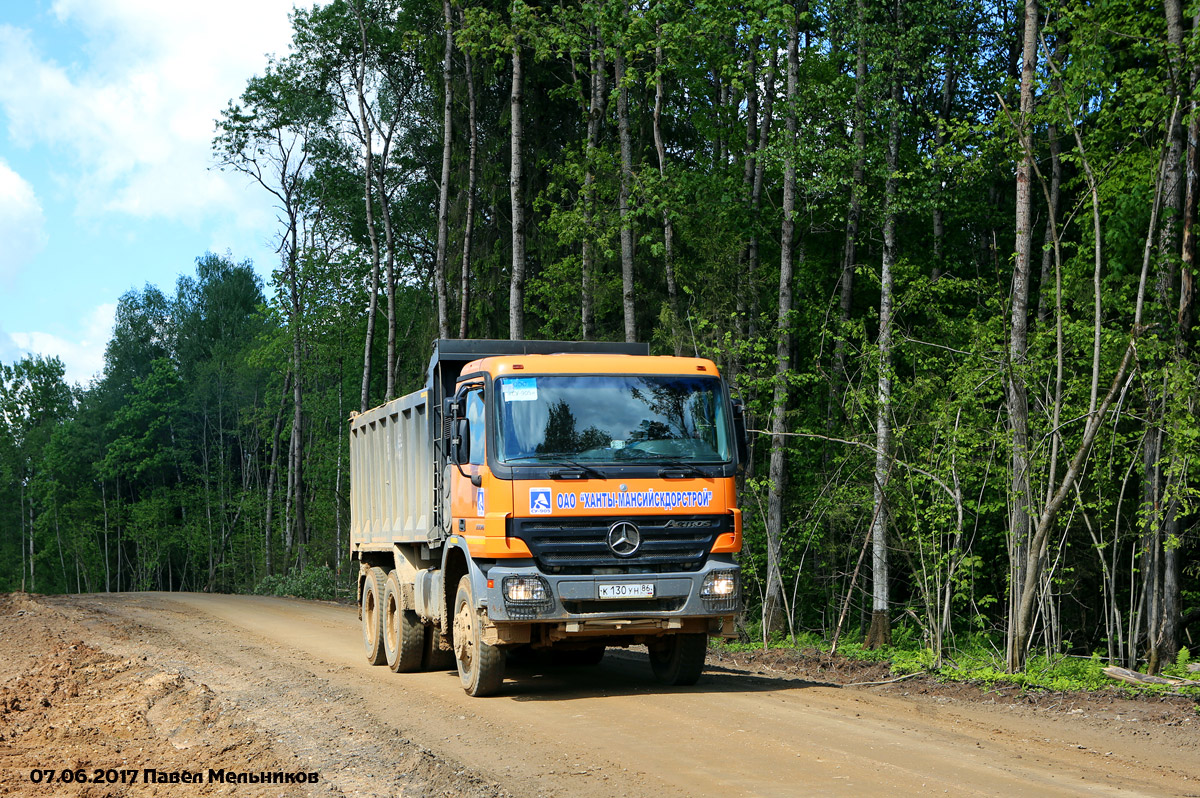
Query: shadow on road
x: 622, y: 673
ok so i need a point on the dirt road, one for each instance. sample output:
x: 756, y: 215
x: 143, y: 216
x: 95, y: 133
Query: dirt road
x: 193, y: 682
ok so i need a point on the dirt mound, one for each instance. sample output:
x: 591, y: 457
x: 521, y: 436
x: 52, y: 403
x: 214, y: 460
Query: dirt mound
x: 808, y: 665
x: 77, y: 714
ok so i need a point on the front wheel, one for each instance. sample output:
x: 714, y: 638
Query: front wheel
x: 480, y: 666
x: 678, y: 659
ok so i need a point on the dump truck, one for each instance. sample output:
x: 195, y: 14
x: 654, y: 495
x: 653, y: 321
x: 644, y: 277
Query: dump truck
x: 547, y: 498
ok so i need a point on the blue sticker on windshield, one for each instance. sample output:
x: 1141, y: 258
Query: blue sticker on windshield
x: 519, y: 390
x: 539, y: 501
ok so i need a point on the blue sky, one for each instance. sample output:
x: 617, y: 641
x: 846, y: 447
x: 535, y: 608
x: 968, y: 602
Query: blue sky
x: 106, y: 178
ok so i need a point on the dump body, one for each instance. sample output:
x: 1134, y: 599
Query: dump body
x: 548, y: 496
x: 391, y: 474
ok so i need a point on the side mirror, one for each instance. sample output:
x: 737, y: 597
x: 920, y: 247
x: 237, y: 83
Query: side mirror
x: 741, y: 439
x: 460, y: 442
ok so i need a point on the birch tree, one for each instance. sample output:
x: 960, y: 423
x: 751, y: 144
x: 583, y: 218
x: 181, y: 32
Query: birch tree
x: 775, y: 612
x: 1020, y: 494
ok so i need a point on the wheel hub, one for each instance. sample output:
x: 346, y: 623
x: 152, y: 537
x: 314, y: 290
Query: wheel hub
x: 463, y: 639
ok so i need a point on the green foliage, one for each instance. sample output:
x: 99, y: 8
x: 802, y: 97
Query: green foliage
x: 1179, y: 668
x: 311, y: 583
x: 173, y: 470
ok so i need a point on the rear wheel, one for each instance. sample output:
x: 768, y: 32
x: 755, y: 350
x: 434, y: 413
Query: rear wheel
x: 435, y: 657
x: 679, y: 659
x: 480, y: 666
x: 403, y: 632
x: 372, y: 615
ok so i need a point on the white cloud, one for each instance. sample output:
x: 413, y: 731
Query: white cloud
x: 82, y: 354
x: 134, y: 113
x: 22, y: 225
x: 9, y: 351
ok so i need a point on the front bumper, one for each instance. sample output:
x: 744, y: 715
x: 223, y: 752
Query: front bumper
x: 576, y: 598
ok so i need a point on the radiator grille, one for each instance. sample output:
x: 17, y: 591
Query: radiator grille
x: 579, y: 545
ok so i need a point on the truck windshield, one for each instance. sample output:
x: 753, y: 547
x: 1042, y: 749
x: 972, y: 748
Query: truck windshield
x: 611, y: 418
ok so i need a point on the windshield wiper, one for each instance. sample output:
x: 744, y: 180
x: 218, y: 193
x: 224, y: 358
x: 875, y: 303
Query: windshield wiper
x: 677, y: 465
x: 673, y: 465
x: 559, y: 460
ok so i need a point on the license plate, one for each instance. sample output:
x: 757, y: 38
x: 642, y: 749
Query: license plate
x: 643, y: 590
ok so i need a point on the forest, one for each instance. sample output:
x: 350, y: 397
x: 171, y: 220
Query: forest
x: 943, y: 249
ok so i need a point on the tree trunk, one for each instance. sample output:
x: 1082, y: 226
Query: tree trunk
x: 1043, y: 309
x: 668, y: 230
x: 744, y: 284
x: 774, y: 608
x: 626, y: 187
x: 1164, y: 635
x: 596, y: 104
x: 939, y: 137
x: 880, y: 633
x: 853, y: 213
x: 1020, y: 495
x: 516, y: 192
x: 297, y: 448
x: 1187, y: 307
x: 372, y: 309
x: 389, y: 270
x: 760, y: 166
x: 107, y: 569
x: 272, y: 475
x: 444, y: 192
x: 469, y: 222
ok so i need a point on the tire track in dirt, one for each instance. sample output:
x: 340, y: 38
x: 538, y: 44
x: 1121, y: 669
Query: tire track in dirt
x: 295, y: 671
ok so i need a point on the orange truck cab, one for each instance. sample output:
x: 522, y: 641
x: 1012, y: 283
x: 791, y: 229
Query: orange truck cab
x: 552, y: 498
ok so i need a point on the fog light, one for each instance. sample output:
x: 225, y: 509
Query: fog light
x: 719, y: 591
x: 719, y: 584
x: 527, y: 596
x: 525, y: 588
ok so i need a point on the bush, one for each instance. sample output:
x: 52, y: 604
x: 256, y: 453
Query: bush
x: 318, y: 582
x: 1180, y: 667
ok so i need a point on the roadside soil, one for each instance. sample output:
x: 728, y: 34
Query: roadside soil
x: 185, y: 683
x: 1159, y: 714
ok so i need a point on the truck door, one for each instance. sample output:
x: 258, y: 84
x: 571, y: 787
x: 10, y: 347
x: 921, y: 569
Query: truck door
x: 470, y: 499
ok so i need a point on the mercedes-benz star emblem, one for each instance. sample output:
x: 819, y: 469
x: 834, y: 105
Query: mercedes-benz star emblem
x: 624, y: 539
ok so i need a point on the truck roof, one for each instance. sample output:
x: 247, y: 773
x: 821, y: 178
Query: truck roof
x: 573, y: 363
x: 451, y: 354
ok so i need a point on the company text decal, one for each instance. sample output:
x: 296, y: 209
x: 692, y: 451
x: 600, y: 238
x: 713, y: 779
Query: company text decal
x: 642, y: 499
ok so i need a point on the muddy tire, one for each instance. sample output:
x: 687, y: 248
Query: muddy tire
x: 403, y: 632
x: 434, y: 657
x: 678, y: 659
x: 480, y: 666
x: 372, y: 615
